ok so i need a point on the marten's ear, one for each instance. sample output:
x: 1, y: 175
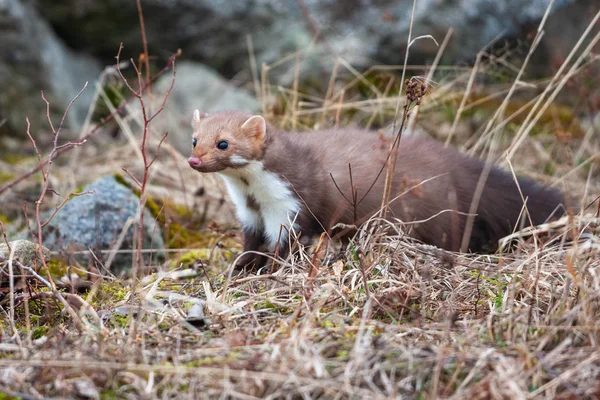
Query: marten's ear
x: 197, y: 117
x: 256, y: 126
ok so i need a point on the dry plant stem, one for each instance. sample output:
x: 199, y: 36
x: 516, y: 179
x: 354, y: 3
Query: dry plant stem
x: 264, y: 88
x: 253, y: 65
x: 363, y: 267
x: 534, y: 115
x: 147, y: 160
x: 501, y: 109
x: 429, y: 78
x: 391, y: 165
x: 338, y: 112
x: 329, y: 93
x: 11, y: 282
x: 145, y: 44
x: 3, y: 229
x: 463, y: 102
x: 70, y: 145
x: 397, y: 111
x: 294, y: 109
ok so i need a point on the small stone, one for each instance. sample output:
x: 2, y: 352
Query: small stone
x: 24, y: 251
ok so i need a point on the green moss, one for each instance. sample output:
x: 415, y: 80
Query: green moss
x: 152, y: 206
x: 6, y: 176
x: 216, y: 360
x: 59, y: 268
x: 114, y: 292
x: 56, y: 268
x: 342, y: 354
x: 219, y: 360
x: 267, y: 304
x: 39, y: 331
x: 121, y: 180
x: 164, y: 325
x: 189, y: 258
x: 14, y: 158
x: 110, y: 395
x: 550, y: 168
x: 5, y: 219
x: 120, y: 321
x: 183, y: 229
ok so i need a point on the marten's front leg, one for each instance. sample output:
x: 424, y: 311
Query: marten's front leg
x: 253, y: 241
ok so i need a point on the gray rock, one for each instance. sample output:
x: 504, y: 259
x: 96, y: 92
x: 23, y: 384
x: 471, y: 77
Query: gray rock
x: 363, y: 32
x: 24, y: 251
x: 96, y: 221
x: 32, y: 58
x: 196, y: 86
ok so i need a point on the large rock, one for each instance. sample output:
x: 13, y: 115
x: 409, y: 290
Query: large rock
x: 363, y: 32
x: 196, y: 86
x: 32, y: 58
x: 95, y: 222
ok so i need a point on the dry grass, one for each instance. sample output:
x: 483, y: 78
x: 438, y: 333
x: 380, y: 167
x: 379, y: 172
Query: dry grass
x: 386, y: 318
x: 519, y: 325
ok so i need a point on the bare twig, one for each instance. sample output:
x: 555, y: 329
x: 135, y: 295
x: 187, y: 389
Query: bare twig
x: 147, y: 161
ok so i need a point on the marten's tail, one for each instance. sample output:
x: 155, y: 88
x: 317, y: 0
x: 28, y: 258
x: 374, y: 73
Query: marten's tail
x: 506, y: 207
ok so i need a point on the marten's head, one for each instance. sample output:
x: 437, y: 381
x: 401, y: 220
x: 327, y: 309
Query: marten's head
x: 226, y: 140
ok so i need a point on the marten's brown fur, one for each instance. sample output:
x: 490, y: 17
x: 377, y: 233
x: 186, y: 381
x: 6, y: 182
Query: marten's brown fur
x: 297, y: 179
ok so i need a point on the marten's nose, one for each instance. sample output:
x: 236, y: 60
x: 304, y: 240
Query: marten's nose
x: 194, y: 162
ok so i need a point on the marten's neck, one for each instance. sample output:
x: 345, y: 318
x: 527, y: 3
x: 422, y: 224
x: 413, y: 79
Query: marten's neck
x: 264, y: 199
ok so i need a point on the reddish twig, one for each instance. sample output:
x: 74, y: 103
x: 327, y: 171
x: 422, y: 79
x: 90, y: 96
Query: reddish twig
x: 5, y: 237
x: 46, y: 171
x: 45, y: 167
x: 61, y: 205
x: 144, y: 146
x: 146, y: 58
x: 129, y: 174
x: 70, y: 145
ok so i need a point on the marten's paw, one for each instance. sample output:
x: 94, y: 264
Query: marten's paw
x: 248, y: 263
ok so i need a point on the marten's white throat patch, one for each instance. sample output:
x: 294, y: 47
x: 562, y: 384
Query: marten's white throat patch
x: 262, y: 199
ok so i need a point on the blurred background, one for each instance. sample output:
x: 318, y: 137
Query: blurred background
x: 56, y: 46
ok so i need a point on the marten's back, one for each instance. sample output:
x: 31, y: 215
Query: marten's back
x: 432, y: 184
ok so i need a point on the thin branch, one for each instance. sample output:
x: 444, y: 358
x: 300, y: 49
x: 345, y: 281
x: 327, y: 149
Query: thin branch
x: 64, y: 202
x: 131, y: 176
x: 92, y: 132
x: 158, y: 149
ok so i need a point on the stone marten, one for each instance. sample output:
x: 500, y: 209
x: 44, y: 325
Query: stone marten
x: 282, y: 180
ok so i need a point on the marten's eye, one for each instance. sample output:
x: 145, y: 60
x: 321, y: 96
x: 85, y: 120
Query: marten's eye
x: 194, y: 142
x: 222, y: 145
